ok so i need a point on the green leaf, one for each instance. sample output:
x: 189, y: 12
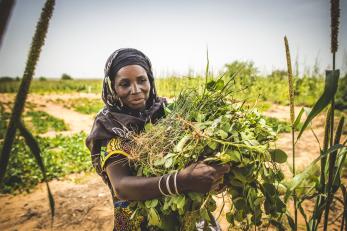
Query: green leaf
x: 230, y: 217
x: 168, y: 162
x: 204, y: 214
x: 331, y: 82
x: 270, y: 189
x: 200, y: 117
x: 239, y: 203
x: 240, y: 215
x: 235, y: 182
x: 213, y: 85
x: 222, y: 134
x: 212, y: 144
x: 194, y: 196
x: 153, y: 217
x: 151, y: 203
x: 278, y: 155
x: 219, y: 84
x: 159, y: 162
x: 180, y: 145
x: 298, y: 119
x: 210, y: 86
x: 148, y: 127
x: 35, y: 150
x: 340, y: 164
x: 181, y: 202
x: 230, y: 156
x: 243, y: 174
x: 167, y: 110
x: 299, y: 178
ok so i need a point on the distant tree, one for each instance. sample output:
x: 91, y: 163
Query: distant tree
x: 278, y: 74
x: 66, y: 77
x: 245, y: 70
x: 42, y: 78
x: 6, y: 79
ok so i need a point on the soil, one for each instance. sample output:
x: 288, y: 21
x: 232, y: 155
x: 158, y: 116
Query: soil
x: 83, y: 201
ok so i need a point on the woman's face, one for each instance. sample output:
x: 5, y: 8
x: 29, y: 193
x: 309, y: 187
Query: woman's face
x: 132, y: 86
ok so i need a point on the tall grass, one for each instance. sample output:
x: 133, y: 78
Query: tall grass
x: 15, y: 119
x: 333, y: 152
x: 292, y: 117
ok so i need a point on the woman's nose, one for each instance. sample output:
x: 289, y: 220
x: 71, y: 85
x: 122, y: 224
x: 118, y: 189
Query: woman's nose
x: 135, y: 89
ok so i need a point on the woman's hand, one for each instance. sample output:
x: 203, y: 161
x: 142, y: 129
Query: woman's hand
x: 201, y: 177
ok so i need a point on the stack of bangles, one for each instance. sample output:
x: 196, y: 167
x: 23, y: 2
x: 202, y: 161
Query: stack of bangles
x: 167, y: 184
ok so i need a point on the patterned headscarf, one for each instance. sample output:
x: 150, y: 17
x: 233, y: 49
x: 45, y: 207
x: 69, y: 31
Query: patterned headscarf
x: 117, y: 60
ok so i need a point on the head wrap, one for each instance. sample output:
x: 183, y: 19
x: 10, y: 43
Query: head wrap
x: 116, y: 120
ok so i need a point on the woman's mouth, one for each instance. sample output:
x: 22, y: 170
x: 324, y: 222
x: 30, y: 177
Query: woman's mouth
x: 137, y: 101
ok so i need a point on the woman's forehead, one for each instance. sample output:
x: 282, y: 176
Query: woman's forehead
x: 131, y: 71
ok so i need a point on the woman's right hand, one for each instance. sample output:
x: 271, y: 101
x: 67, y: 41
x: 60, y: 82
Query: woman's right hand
x: 201, y: 177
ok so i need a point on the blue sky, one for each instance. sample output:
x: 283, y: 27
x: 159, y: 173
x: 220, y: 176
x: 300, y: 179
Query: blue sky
x: 173, y: 34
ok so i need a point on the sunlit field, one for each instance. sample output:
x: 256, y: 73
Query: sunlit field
x: 252, y: 149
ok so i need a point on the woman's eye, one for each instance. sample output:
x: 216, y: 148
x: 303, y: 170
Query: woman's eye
x: 124, y: 84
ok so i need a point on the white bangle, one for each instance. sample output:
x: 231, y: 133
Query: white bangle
x: 175, y: 183
x: 167, y: 185
x: 161, y: 191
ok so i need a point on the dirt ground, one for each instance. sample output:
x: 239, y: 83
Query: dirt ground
x: 83, y: 202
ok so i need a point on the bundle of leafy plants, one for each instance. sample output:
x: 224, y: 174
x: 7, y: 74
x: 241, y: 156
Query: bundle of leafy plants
x: 211, y: 126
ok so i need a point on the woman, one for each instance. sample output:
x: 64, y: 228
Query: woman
x: 131, y: 101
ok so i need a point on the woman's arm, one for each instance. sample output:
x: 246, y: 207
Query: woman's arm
x: 198, y: 177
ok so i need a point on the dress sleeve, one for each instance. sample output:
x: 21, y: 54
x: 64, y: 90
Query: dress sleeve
x: 115, y: 149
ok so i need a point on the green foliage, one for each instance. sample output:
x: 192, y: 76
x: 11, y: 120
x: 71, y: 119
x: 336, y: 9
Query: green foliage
x: 281, y: 126
x: 84, y: 105
x: 4, y: 117
x: 307, y: 90
x: 55, y: 86
x: 273, y: 88
x: 206, y: 126
x: 330, y: 87
x: 61, y: 155
x: 171, y: 87
x: 43, y: 122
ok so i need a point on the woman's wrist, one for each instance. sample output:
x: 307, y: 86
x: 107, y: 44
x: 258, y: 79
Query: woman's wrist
x: 173, y: 184
x: 182, y: 184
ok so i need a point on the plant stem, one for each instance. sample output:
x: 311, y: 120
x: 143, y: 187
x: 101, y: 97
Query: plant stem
x: 335, y: 17
x: 34, y: 53
x: 292, y: 114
